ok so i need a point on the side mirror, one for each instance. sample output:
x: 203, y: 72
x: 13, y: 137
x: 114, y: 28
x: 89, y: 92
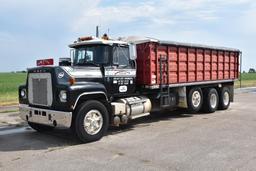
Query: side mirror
x: 64, y: 61
x: 133, y: 51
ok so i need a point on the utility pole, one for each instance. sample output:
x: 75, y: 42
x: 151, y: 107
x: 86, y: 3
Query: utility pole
x: 240, y: 70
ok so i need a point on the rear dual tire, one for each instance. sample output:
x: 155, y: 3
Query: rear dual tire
x: 195, y: 100
x: 225, y: 97
x: 211, y: 100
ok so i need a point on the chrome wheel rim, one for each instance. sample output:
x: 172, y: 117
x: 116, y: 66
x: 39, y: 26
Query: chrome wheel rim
x: 93, y: 122
x: 213, y: 100
x: 226, y: 98
x: 196, y: 99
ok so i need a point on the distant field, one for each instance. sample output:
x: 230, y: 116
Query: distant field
x: 9, y: 83
x: 248, y: 76
x: 248, y: 80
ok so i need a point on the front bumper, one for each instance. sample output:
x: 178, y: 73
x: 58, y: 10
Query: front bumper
x: 45, y: 117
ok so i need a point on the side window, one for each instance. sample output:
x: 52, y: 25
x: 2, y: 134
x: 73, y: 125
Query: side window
x: 121, y: 56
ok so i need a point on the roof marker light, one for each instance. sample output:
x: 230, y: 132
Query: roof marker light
x: 80, y: 39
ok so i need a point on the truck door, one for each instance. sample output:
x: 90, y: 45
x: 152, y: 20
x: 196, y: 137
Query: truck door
x: 121, y: 75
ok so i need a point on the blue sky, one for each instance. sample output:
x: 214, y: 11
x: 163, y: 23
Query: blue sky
x: 31, y: 30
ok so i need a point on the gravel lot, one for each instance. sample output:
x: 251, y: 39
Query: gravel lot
x: 224, y: 140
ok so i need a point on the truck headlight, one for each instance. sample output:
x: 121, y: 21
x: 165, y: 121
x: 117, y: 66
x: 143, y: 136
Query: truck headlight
x: 63, y: 96
x: 23, y: 93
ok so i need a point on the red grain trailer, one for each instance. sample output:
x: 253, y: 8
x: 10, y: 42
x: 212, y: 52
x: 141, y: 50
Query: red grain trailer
x: 186, y: 75
x: 184, y: 63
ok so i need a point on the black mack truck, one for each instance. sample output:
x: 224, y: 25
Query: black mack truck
x: 99, y: 87
x: 86, y: 96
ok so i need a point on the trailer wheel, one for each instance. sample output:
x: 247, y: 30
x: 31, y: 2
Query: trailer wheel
x: 92, y: 121
x: 195, y: 100
x: 211, y: 101
x: 40, y: 127
x: 224, y: 98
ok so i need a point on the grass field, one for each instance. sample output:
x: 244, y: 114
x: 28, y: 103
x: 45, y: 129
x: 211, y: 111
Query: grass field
x: 248, y: 80
x: 9, y: 83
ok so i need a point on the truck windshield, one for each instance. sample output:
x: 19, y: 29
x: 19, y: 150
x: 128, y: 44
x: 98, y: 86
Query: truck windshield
x: 91, y: 55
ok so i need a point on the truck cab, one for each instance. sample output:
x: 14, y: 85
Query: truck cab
x: 100, y: 74
x: 109, y: 60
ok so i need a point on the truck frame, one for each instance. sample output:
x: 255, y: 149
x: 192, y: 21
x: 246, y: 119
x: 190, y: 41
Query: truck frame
x: 110, y: 82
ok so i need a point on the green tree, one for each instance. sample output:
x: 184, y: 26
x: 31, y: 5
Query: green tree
x: 252, y: 70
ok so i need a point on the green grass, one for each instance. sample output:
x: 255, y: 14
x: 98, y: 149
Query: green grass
x: 248, y: 80
x: 9, y: 111
x: 248, y: 76
x: 9, y: 83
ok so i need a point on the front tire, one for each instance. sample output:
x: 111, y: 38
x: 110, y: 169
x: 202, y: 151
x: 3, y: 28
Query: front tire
x: 195, y: 100
x: 40, y: 127
x: 92, y: 121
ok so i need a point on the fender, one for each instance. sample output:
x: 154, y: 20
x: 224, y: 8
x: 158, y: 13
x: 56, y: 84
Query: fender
x: 89, y: 88
x: 89, y: 93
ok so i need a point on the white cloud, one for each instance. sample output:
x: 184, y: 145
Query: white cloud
x: 123, y: 13
x: 45, y: 27
x: 83, y: 15
x: 163, y: 12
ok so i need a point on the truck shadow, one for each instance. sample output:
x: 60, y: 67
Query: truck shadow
x: 152, y: 118
x: 29, y: 139
x: 32, y: 140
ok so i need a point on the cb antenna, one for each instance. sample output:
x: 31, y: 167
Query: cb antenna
x: 97, y: 31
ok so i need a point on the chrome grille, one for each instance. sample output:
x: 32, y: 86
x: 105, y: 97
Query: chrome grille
x: 40, y: 89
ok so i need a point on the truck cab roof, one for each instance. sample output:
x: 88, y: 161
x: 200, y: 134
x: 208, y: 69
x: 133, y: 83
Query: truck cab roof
x: 94, y: 40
